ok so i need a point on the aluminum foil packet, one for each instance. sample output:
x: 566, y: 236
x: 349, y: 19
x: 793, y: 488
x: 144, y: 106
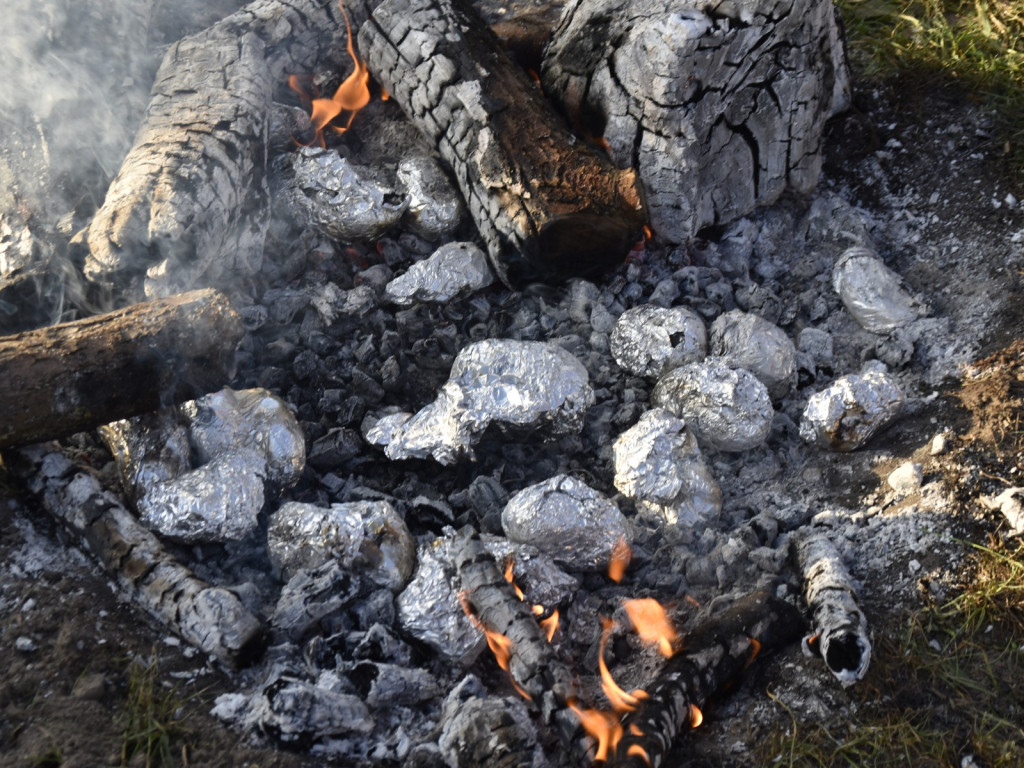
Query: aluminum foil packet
x: 649, y: 340
x: 727, y: 409
x: 435, y: 207
x: 250, y: 419
x: 343, y: 201
x: 873, y: 293
x: 659, y: 465
x: 567, y: 520
x: 452, y: 270
x: 743, y: 340
x: 366, y: 537
x: 496, y: 380
x: 148, y: 450
x: 850, y: 411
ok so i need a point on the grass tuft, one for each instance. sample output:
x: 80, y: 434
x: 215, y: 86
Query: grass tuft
x: 979, y: 44
x: 152, y: 719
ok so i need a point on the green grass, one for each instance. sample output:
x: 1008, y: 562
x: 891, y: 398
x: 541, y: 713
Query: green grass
x: 977, y: 44
x: 153, y: 718
x: 947, y: 683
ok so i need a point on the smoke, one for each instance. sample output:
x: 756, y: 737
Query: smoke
x: 75, y: 77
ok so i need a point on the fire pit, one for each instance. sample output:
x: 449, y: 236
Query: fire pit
x: 496, y: 477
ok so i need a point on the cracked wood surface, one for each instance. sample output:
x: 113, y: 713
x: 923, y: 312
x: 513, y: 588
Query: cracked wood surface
x: 719, y: 104
x: 191, y: 198
x: 211, y: 618
x: 546, y: 204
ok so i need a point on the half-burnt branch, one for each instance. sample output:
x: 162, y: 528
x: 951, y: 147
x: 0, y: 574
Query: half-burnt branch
x: 547, y: 205
x: 76, y: 376
x: 211, y: 618
x: 716, y: 653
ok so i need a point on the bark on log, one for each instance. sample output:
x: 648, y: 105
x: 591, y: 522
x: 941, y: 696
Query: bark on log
x: 547, y: 205
x: 211, y: 618
x: 77, y: 376
x: 718, y: 104
x: 840, y: 627
x: 716, y: 653
x: 191, y: 199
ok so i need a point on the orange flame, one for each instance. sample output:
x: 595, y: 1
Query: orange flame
x: 550, y: 624
x: 652, y: 624
x: 602, y: 726
x: 635, y: 750
x: 500, y: 645
x: 352, y: 95
x: 620, y: 700
x: 696, y: 716
x: 621, y: 555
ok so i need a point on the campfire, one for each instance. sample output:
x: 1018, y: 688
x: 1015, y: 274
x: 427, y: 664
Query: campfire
x: 461, y: 430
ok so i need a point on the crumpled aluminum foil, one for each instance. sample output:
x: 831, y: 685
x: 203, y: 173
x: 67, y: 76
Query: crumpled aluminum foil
x: 148, y: 450
x: 727, y: 409
x: 659, y: 465
x: 435, y: 207
x: 429, y: 609
x: 649, y: 340
x: 342, y: 200
x: 365, y: 537
x: 502, y: 380
x: 846, y: 414
x: 743, y: 340
x: 239, y: 440
x: 453, y: 269
x: 873, y: 293
x: 219, y: 501
x: 231, y: 420
x: 567, y: 520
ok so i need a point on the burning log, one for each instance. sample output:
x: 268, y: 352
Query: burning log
x: 716, y: 653
x: 491, y: 600
x: 211, y: 618
x: 546, y: 204
x: 719, y: 106
x: 191, y: 196
x: 79, y: 375
x: 840, y: 628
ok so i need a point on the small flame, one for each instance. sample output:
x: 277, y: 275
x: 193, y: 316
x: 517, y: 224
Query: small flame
x: 696, y: 716
x: 352, y: 95
x: 620, y: 700
x: 652, y: 624
x: 755, y: 648
x: 635, y: 750
x: 602, y: 726
x: 500, y: 645
x: 621, y: 555
x: 550, y: 624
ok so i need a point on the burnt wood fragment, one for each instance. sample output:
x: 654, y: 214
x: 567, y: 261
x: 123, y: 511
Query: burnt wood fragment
x: 211, y: 618
x: 716, y: 653
x: 547, y: 205
x: 719, y: 106
x: 191, y: 199
x: 80, y: 375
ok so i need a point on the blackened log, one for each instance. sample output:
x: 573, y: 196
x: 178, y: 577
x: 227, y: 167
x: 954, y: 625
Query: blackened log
x: 76, y: 376
x: 492, y: 600
x: 840, y: 627
x: 191, y: 200
x: 211, y: 618
x: 716, y: 654
x: 546, y: 204
x: 719, y: 106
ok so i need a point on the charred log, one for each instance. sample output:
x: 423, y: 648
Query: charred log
x: 79, y: 375
x: 717, y: 652
x: 547, y: 205
x: 840, y: 627
x: 211, y: 618
x: 719, y: 106
x: 191, y: 198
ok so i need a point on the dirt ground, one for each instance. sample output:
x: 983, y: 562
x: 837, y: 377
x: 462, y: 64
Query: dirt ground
x: 67, y: 642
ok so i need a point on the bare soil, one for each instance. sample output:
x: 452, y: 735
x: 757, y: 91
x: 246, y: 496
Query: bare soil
x: 67, y: 641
